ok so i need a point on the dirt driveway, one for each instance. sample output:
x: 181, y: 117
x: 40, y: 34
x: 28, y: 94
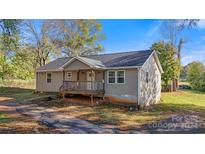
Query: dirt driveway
x: 41, y: 116
x: 42, y: 120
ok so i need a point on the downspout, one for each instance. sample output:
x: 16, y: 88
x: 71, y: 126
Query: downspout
x: 63, y: 75
x: 138, y: 88
x: 62, y: 86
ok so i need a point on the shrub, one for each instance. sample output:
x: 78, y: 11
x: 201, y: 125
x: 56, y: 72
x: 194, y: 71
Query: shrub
x: 196, y: 75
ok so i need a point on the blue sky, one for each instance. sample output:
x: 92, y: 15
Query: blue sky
x: 128, y: 35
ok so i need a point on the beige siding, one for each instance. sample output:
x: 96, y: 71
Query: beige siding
x: 56, y: 82
x: 76, y: 65
x: 149, y: 92
x: 127, y: 90
x: 73, y: 78
x: 143, y: 92
x: 99, y: 75
x: 83, y: 75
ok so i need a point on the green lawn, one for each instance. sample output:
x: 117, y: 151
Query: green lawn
x: 28, y: 84
x: 18, y: 94
x: 17, y: 90
x: 185, y: 97
x: 182, y: 101
x: 14, y: 122
x: 4, y: 118
x: 175, y: 103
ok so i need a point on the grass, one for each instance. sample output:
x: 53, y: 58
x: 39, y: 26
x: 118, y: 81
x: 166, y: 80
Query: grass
x: 175, y: 103
x: 183, y: 101
x: 28, y: 84
x: 185, y: 97
x: 180, y: 102
x: 4, y: 118
x: 18, y: 94
x: 14, y: 122
x: 17, y: 90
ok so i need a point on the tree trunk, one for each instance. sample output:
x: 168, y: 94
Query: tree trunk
x: 174, y: 84
x: 40, y: 62
x: 44, y: 62
x: 2, y: 78
x: 181, y: 42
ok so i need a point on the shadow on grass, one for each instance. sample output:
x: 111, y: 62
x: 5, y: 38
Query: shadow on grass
x: 192, y: 91
x: 4, y: 118
x: 12, y: 90
x: 178, y: 119
x: 19, y: 94
x: 123, y: 118
x: 14, y: 93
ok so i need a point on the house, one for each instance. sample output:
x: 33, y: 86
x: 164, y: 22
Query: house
x: 128, y: 77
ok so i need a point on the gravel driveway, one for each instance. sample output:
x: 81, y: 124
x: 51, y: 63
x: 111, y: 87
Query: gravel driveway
x: 62, y: 122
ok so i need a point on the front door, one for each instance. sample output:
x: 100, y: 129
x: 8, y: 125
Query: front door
x: 90, y: 77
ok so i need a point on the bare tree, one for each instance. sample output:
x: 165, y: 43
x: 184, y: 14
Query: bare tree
x: 37, y: 35
x: 171, y: 30
x: 77, y: 36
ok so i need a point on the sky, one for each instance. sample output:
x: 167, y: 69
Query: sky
x: 131, y: 35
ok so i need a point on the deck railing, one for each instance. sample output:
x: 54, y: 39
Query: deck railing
x: 83, y: 85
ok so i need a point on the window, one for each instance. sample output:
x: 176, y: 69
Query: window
x: 69, y: 75
x: 48, y: 77
x: 116, y: 76
x: 111, y: 77
x: 147, y: 77
x: 120, y: 76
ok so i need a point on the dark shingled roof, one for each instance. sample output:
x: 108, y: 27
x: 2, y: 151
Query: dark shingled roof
x: 123, y: 59
x: 56, y: 64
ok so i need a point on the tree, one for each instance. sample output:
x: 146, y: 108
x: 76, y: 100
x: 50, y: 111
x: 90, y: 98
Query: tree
x: 38, y: 40
x: 23, y: 64
x: 196, y: 75
x: 77, y: 37
x: 171, y: 31
x: 5, y: 67
x: 169, y: 64
x: 9, y: 37
x: 183, y: 72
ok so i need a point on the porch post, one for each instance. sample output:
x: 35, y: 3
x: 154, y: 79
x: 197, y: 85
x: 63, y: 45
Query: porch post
x: 63, y: 83
x: 91, y: 97
x: 103, y: 82
x: 78, y: 72
x: 63, y: 75
x: 92, y: 78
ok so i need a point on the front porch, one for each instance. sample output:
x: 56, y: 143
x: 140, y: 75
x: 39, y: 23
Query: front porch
x: 83, y: 87
x: 88, y: 83
x: 83, y: 76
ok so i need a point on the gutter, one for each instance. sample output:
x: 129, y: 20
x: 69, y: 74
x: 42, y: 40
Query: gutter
x: 99, y: 68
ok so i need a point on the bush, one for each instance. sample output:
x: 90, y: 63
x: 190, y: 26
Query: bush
x: 196, y: 75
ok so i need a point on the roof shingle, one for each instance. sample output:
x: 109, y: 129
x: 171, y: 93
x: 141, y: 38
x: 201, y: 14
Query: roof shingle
x: 123, y: 59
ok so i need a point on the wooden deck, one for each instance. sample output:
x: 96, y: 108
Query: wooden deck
x: 85, y: 92
x: 85, y: 88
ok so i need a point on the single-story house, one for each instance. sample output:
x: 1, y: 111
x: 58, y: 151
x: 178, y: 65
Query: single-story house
x: 127, y: 77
